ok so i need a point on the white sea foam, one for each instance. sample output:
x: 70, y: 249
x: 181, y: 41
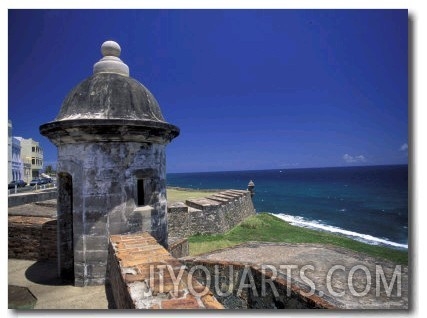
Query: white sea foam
x: 318, y: 225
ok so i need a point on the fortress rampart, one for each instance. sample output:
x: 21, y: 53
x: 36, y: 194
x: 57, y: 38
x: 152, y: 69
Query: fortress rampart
x: 216, y: 213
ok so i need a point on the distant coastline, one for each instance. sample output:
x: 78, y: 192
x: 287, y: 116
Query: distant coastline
x: 195, y: 189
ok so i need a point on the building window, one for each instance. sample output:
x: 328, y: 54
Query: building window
x: 33, y: 161
x: 141, y: 192
x: 33, y: 149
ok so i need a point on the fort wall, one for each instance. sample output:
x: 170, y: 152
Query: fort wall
x: 143, y: 275
x: 216, y: 213
x: 32, y: 230
x: 27, y: 198
x: 241, y: 286
x: 32, y: 237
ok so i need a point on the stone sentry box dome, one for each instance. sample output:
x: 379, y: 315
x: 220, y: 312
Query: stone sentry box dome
x: 111, y: 138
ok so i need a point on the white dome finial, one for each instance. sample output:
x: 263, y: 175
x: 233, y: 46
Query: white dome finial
x: 110, y: 48
x: 111, y: 63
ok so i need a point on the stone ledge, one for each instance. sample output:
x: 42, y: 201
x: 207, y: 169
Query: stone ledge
x: 31, y: 197
x: 202, y: 204
x: 178, y: 246
x: 177, y: 207
x: 225, y: 196
x: 235, y: 193
x: 19, y: 220
x: 218, y: 199
x: 150, y: 278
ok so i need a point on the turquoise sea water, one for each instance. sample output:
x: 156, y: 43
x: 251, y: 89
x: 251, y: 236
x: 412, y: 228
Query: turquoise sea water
x: 369, y: 204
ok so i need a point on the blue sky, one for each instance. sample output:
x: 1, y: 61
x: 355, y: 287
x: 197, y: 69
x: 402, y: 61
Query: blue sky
x: 249, y: 89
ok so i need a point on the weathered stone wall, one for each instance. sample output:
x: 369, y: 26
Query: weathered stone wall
x: 26, y: 198
x: 143, y: 275
x: 178, y: 219
x: 105, y: 199
x: 241, y: 286
x: 65, y: 227
x: 32, y: 237
x: 217, y: 213
x: 178, y: 247
x: 116, y: 283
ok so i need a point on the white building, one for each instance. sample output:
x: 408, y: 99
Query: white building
x: 17, y: 164
x: 15, y: 167
x: 25, y: 157
x: 9, y: 152
x: 31, y: 157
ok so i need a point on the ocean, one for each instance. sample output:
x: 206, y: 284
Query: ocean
x: 368, y: 204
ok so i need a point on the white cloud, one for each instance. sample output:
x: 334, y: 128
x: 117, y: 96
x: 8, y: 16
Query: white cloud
x: 354, y: 159
x: 404, y: 147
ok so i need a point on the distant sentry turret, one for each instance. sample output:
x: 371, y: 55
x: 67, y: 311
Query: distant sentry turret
x: 251, y: 188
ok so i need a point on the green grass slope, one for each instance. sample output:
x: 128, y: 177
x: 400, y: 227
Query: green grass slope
x: 265, y: 227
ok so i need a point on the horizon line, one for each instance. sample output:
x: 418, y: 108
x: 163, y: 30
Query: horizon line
x: 295, y: 168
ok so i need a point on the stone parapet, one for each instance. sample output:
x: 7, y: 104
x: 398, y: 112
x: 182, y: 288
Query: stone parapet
x: 32, y: 237
x: 243, y: 286
x: 203, y: 204
x: 143, y: 275
x: 216, y: 213
x: 178, y: 247
x: 31, y: 197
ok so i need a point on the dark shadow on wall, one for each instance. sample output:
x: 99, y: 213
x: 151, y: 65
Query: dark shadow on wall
x: 110, y: 297
x: 48, y: 242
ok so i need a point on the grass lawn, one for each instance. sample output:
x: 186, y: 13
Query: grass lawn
x: 265, y: 227
x: 175, y: 195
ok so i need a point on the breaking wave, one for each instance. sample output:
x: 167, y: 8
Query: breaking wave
x: 318, y: 225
